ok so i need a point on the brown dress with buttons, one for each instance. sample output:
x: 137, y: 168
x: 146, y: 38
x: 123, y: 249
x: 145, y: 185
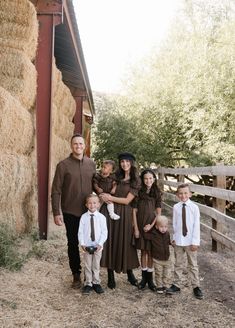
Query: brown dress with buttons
x: 119, y: 254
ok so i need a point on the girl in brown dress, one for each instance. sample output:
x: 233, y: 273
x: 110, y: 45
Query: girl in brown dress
x: 146, y: 209
x: 119, y: 254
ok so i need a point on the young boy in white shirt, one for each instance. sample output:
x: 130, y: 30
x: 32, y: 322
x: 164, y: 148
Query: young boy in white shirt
x: 92, y: 234
x: 186, y: 239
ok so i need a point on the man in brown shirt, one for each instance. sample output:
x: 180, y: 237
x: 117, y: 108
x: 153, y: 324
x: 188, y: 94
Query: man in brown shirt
x: 71, y: 185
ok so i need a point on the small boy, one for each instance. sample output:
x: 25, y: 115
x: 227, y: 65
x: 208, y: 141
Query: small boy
x: 104, y: 181
x: 186, y: 239
x: 92, y: 234
x: 161, y: 253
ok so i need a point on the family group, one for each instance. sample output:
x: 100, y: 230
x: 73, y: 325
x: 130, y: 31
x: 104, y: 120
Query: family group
x: 114, y: 215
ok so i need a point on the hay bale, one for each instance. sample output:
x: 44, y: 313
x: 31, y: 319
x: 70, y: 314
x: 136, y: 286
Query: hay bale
x: 60, y: 149
x: 19, y: 26
x: 15, y: 182
x: 18, y: 75
x: 16, y: 125
x: 61, y: 125
x: 62, y: 97
x: 31, y: 205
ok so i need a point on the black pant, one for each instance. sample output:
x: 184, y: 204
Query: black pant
x: 71, y: 224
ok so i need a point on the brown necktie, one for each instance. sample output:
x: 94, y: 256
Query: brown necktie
x: 92, y: 228
x: 184, y: 226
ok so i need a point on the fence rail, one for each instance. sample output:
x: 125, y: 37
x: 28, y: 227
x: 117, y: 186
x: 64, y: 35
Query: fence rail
x: 221, y: 224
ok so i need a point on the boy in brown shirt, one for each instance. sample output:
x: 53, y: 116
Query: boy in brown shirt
x: 161, y: 253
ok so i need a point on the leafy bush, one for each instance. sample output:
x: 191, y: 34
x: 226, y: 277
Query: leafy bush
x: 10, y: 257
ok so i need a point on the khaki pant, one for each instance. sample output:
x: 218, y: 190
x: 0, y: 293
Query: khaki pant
x: 193, y: 273
x: 162, y: 273
x: 92, y: 268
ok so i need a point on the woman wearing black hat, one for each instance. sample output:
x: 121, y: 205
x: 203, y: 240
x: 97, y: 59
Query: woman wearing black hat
x: 119, y: 254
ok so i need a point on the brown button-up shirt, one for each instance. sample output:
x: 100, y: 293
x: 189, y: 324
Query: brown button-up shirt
x: 160, y: 245
x: 71, y: 185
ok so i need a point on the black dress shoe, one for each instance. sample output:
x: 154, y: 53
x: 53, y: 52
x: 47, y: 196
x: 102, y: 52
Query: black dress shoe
x: 87, y: 289
x: 172, y: 290
x: 131, y: 278
x: 198, y: 293
x: 98, y: 289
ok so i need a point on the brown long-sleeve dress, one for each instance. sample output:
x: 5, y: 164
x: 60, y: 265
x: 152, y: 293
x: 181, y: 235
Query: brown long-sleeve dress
x: 119, y: 254
x: 146, y: 206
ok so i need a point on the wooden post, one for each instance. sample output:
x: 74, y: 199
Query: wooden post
x: 160, y: 177
x: 220, y: 205
x: 180, y: 178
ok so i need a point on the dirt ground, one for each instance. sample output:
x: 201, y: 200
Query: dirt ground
x: 40, y: 296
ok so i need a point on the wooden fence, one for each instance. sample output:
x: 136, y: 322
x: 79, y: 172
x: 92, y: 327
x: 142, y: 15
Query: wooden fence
x: 221, y: 226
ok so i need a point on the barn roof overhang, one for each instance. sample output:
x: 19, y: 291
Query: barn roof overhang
x: 68, y: 50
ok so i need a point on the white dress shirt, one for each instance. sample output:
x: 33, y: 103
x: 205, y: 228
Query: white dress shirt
x: 100, y: 227
x: 192, y: 223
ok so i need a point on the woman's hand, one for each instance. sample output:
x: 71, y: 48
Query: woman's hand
x: 147, y: 227
x: 106, y: 197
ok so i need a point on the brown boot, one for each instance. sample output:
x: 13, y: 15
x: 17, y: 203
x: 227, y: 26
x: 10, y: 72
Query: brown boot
x: 76, y: 280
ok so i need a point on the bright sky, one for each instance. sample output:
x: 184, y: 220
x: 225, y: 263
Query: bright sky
x: 117, y: 33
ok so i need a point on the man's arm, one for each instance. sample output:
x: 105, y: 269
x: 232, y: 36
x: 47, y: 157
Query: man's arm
x: 56, y: 195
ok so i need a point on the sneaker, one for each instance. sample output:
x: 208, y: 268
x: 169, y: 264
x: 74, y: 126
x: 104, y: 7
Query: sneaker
x: 160, y: 290
x: 172, y: 290
x: 86, y: 290
x: 76, y: 280
x: 198, y: 293
x: 98, y: 289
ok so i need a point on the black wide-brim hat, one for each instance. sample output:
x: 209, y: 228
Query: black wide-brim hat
x: 127, y: 156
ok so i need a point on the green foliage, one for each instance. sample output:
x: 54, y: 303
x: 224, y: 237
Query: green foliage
x: 179, y: 105
x: 11, y: 255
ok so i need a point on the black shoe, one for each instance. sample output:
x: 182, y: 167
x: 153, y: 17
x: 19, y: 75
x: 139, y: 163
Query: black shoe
x: 151, y: 284
x: 87, y: 289
x: 76, y: 280
x: 131, y: 278
x: 172, y: 290
x: 143, y: 282
x: 160, y: 290
x: 98, y: 289
x: 111, y: 279
x: 198, y: 293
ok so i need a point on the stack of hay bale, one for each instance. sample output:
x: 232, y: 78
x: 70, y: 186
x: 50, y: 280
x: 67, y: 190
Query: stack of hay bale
x: 18, y: 43
x: 18, y: 78
x: 63, y: 110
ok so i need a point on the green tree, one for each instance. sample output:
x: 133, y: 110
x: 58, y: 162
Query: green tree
x: 179, y: 103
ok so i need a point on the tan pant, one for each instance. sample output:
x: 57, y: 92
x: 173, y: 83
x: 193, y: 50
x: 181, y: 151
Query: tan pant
x: 193, y: 272
x: 92, y: 268
x: 162, y: 272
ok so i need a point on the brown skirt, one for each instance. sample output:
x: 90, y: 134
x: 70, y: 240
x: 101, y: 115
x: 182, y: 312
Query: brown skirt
x: 119, y: 254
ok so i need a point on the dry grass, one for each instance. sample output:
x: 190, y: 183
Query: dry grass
x: 40, y: 296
